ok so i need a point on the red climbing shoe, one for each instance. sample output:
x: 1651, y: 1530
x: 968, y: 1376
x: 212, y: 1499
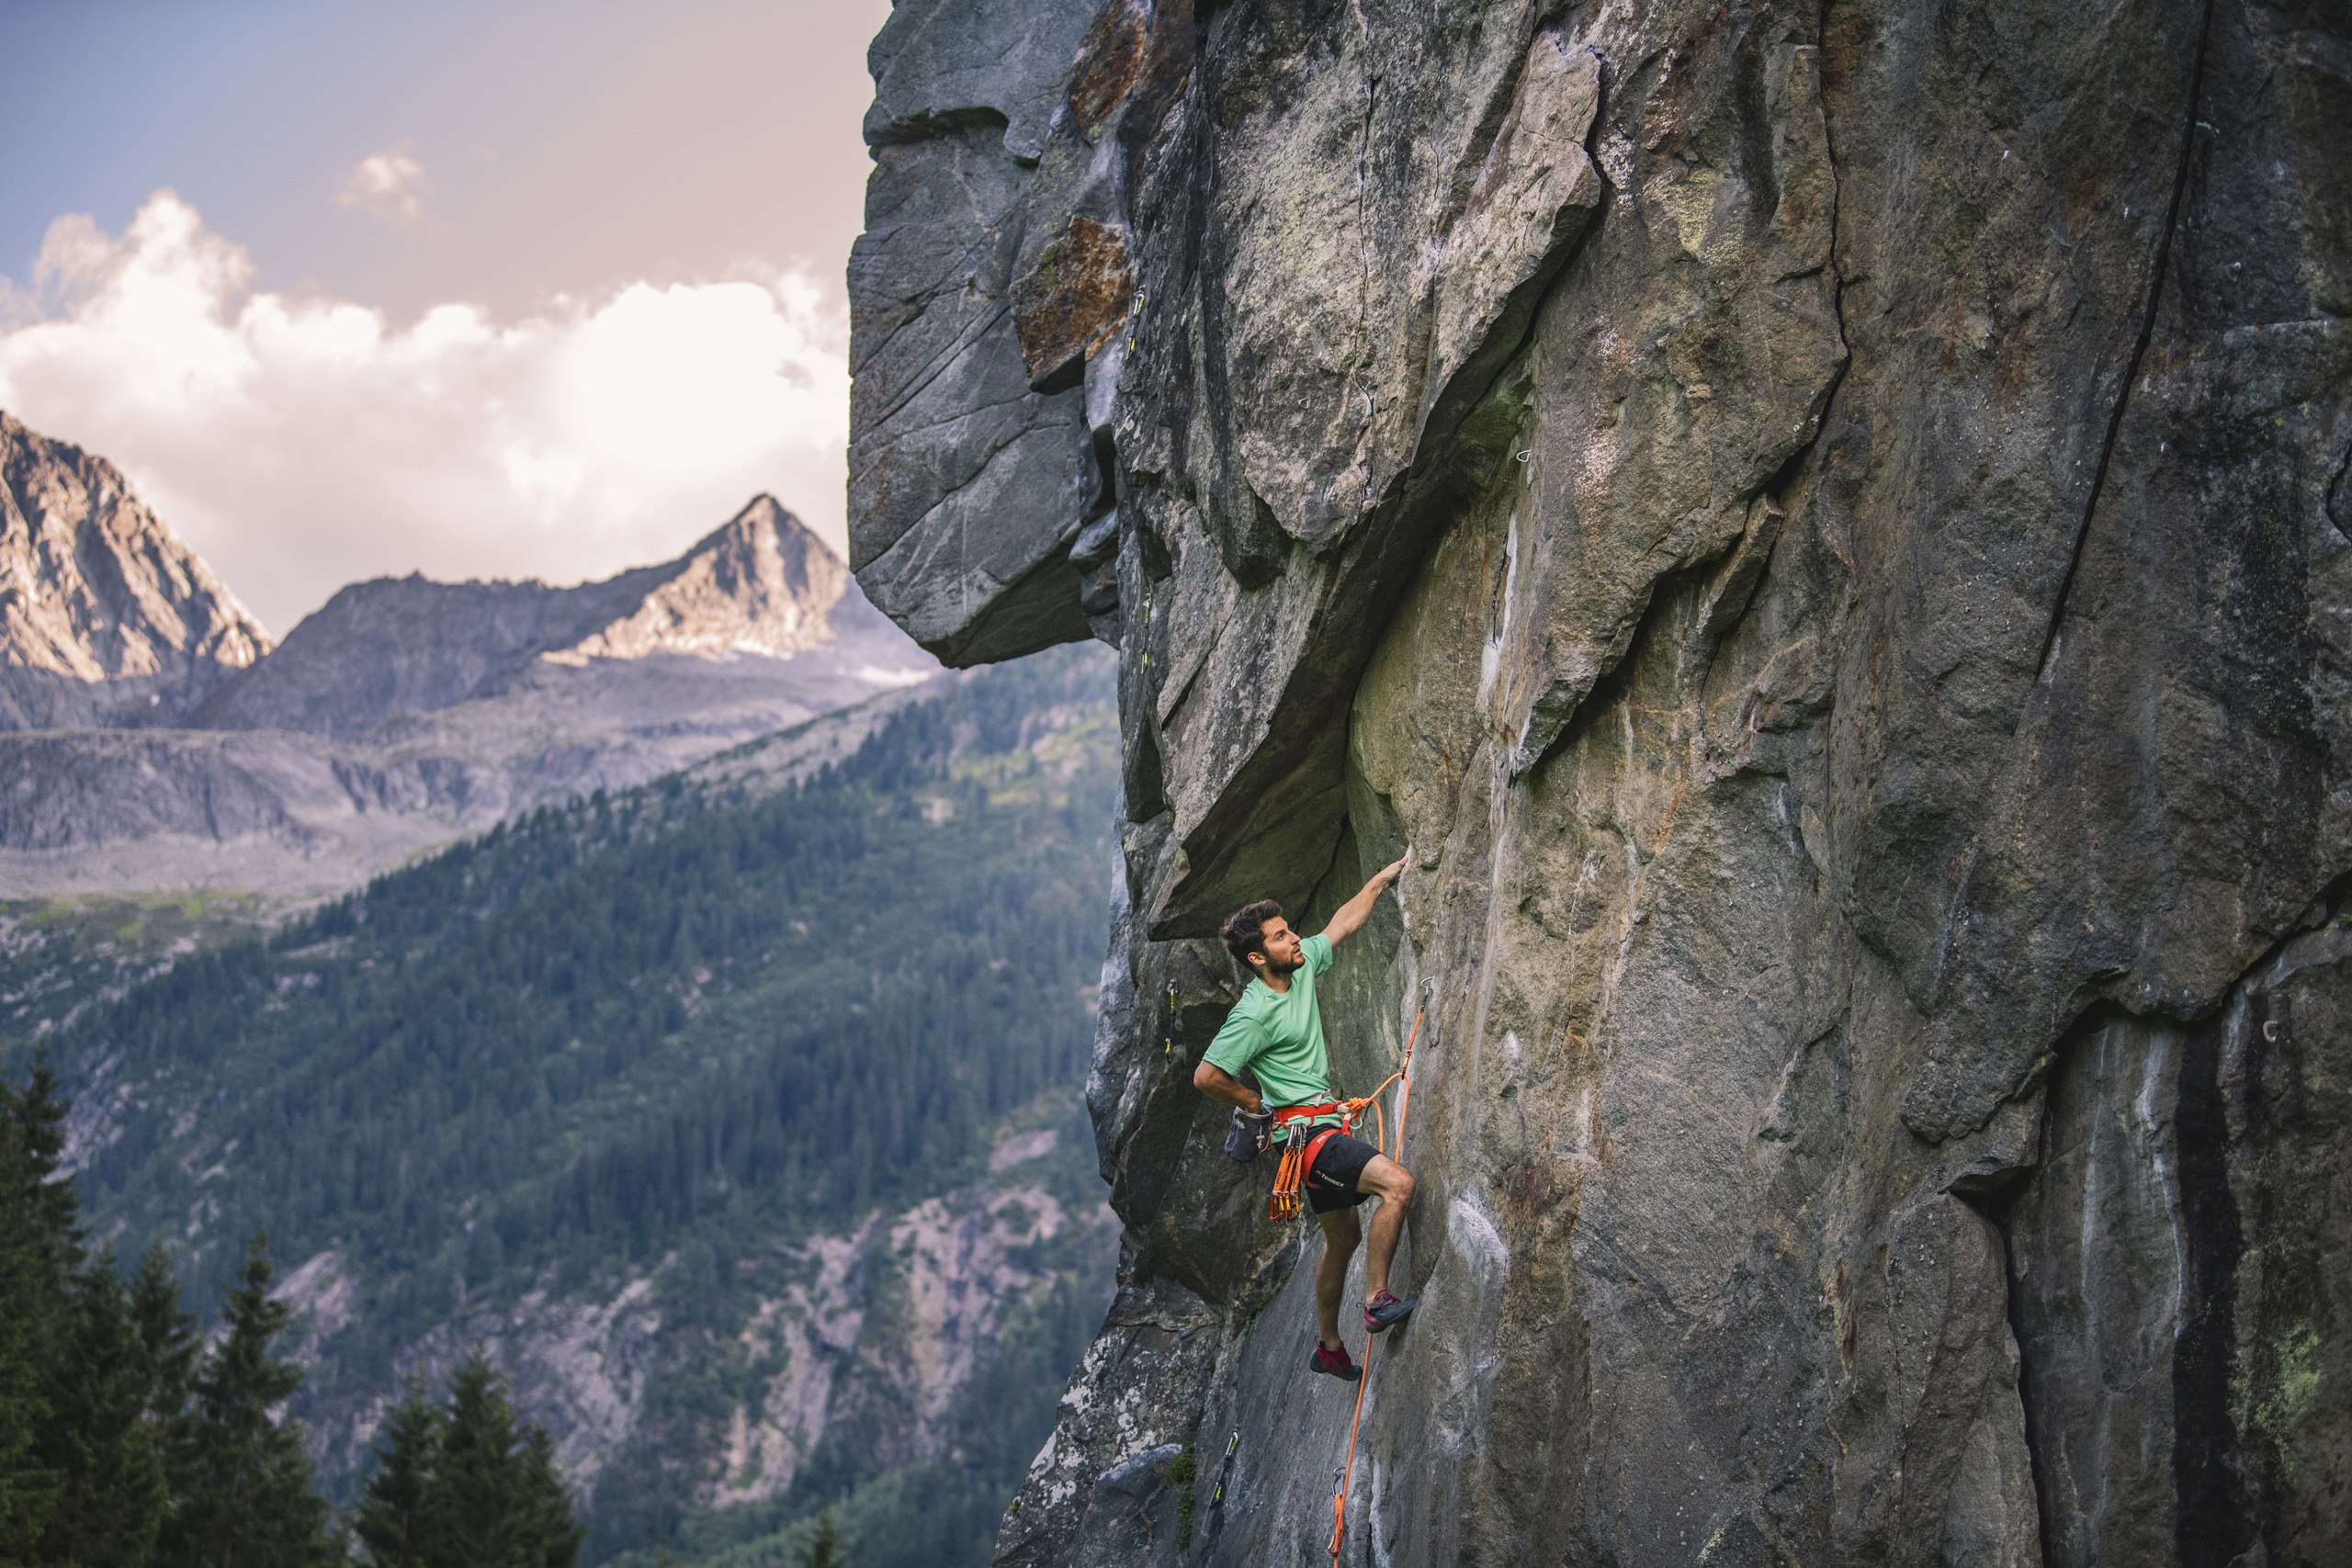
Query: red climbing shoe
x: 1384, y: 1312
x: 1335, y: 1364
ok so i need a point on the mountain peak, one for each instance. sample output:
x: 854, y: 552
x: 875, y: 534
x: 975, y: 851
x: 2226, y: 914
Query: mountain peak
x: 105, y: 616
x: 763, y: 516
x: 761, y: 584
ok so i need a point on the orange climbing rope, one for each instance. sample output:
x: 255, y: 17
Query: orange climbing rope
x: 1403, y: 1078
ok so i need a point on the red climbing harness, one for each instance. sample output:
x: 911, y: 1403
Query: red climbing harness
x: 1290, y: 1176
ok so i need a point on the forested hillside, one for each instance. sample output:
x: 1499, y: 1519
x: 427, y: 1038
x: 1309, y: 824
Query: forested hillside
x: 738, y: 1115
x: 59, y: 957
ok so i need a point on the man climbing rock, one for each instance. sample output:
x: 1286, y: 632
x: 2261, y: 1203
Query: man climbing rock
x: 1275, y: 1032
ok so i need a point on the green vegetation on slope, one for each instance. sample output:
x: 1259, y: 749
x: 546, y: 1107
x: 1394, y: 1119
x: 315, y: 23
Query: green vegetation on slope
x: 122, y: 1445
x: 58, y: 956
x: 660, y: 1040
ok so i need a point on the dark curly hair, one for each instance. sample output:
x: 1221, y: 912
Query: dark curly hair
x: 1244, y: 933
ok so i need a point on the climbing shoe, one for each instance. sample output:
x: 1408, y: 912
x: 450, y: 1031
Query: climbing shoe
x: 1335, y: 1364
x: 1384, y: 1312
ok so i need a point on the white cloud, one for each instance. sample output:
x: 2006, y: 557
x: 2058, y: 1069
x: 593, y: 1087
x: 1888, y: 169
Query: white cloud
x: 388, y: 185
x: 300, y: 444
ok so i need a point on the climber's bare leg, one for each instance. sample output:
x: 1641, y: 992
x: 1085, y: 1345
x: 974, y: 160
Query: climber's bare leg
x: 1342, y: 1235
x: 1393, y: 1186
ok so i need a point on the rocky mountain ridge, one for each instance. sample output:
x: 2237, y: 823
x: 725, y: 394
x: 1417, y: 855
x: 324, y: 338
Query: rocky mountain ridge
x: 106, y: 617
x: 401, y: 715
x: 1826, y: 530
x: 761, y: 585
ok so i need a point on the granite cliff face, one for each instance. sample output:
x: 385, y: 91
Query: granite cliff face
x: 105, y: 616
x: 1828, y: 531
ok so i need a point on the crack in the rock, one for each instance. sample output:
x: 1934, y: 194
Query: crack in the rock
x: 888, y: 441
x: 937, y: 125
x: 941, y: 499
x: 952, y: 650
x: 937, y: 366
x: 2212, y: 1521
x: 1364, y: 245
x: 1837, y: 279
x: 2028, y: 1430
x: 2140, y: 345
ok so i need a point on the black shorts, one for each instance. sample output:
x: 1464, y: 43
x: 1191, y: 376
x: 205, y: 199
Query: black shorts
x: 1332, y: 1182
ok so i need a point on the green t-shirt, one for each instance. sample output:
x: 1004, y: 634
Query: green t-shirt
x: 1278, y: 1035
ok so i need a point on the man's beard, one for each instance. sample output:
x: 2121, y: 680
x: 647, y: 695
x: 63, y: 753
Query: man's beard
x: 1277, y: 966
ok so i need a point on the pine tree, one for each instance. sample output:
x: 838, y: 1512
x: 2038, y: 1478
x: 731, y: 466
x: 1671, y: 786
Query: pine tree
x: 392, y: 1521
x: 167, y: 1337
x: 40, y: 1244
x: 824, y: 1549
x: 166, y: 1348
x: 249, y: 1502
x: 29, y: 1317
x: 496, y: 1498
x: 466, y: 1485
x: 112, y: 1493
x: 544, y: 1505
x: 40, y: 1114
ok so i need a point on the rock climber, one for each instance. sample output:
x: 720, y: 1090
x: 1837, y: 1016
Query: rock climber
x: 1275, y: 1032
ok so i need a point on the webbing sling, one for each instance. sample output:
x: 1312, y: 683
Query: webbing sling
x: 1403, y: 1078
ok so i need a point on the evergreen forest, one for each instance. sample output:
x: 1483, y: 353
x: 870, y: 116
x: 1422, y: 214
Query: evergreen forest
x: 621, y: 1091
x: 126, y: 1441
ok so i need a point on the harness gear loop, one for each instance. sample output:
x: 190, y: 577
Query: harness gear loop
x: 1403, y: 1078
x: 1289, y: 1196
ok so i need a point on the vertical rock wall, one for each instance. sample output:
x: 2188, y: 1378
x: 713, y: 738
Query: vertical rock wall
x: 1827, y: 529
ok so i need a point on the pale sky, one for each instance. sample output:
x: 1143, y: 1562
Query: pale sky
x: 502, y: 289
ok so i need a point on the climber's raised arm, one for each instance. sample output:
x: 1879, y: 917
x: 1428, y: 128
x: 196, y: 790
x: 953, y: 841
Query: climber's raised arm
x: 1358, y: 909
